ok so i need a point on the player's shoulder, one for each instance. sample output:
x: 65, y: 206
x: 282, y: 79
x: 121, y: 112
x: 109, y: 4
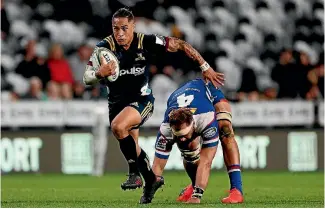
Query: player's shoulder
x: 195, y: 83
x: 194, y: 87
x: 148, y: 35
x: 140, y: 36
x: 198, y: 82
x: 153, y: 39
x: 203, y: 120
x: 107, y: 42
x: 165, y: 130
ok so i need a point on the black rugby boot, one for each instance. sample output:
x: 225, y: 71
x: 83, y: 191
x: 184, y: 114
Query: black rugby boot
x: 149, y: 190
x: 133, y: 181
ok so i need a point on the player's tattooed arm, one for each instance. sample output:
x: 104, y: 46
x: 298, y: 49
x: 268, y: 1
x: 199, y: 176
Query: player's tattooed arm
x: 175, y: 44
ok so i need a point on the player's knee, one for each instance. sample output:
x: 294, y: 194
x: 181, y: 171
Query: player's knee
x: 119, y: 129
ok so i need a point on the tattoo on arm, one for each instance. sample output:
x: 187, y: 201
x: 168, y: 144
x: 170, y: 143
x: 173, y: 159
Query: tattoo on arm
x: 176, y: 44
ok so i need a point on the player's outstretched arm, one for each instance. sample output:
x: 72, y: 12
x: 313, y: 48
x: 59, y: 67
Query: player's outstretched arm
x: 175, y: 44
x: 163, y: 147
x: 203, y: 170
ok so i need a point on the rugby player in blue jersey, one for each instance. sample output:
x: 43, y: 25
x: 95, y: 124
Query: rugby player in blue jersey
x: 191, y: 122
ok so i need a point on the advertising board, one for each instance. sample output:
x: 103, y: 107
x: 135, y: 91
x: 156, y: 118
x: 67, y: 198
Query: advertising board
x: 71, y: 152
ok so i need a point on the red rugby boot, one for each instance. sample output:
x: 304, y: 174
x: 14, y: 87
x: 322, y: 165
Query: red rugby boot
x: 235, y: 196
x: 185, y: 194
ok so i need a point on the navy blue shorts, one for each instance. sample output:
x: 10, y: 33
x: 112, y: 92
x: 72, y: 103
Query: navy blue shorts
x: 144, y: 105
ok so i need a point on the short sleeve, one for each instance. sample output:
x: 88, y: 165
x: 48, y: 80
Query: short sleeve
x: 155, y: 44
x: 164, y: 142
x: 210, y: 135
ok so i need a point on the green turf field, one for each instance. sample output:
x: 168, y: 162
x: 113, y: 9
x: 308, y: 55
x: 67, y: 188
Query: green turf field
x: 261, y: 189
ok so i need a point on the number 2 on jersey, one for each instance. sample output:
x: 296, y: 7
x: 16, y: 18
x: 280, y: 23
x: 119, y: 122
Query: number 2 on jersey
x: 184, y: 101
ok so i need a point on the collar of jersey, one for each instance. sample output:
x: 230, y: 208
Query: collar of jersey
x: 133, y: 43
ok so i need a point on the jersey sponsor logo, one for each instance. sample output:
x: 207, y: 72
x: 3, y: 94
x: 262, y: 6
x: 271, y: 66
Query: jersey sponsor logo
x: 210, y: 132
x: 161, y: 143
x: 160, y: 40
x: 140, y: 57
x: 133, y: 71
x: 192, y: 89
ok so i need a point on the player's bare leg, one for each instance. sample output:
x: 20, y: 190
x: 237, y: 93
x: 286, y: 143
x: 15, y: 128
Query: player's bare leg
x: 230, y: 152
x: 121, y: 125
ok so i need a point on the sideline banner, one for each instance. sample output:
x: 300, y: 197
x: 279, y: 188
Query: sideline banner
x: 81, y: 113
x: 276, y: 113
x: 71, y: 152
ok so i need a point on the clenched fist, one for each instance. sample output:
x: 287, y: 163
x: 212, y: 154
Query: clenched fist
x: 106, y: 69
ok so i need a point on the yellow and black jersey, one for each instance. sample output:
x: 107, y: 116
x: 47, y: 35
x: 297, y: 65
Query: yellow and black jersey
x: 132, y: 82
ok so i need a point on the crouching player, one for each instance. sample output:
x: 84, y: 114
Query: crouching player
x: 190, y: 122
x: 201, y: 100
x: 229, y: 146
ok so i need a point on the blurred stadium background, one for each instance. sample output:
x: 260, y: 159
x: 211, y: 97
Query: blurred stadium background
x: 272, y: 54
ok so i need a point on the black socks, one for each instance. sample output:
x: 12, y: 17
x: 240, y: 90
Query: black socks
x: 128, y: 148
x: 191, y: 171
x: 145, y: 168
x: 136, y: 164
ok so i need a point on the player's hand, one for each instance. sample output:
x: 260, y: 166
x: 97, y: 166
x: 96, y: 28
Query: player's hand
x: 217, y: 79
x: 107, y: 69
x: 194, y: 200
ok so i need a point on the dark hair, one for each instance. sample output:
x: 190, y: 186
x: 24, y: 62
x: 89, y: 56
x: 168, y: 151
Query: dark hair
x: 180, y: 116
x: 124, y: 12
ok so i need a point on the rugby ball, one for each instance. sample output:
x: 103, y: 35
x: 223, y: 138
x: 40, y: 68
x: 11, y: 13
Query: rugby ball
x: 108, y: 56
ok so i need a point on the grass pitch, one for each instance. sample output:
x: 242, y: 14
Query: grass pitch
x: 261, y: 189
